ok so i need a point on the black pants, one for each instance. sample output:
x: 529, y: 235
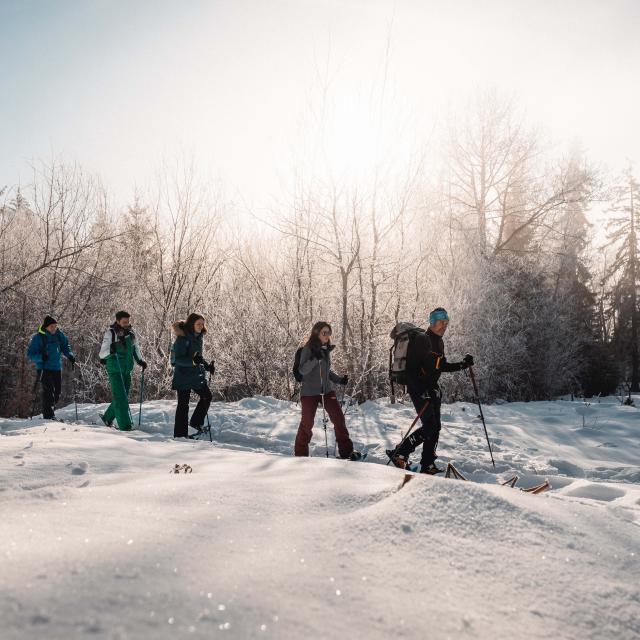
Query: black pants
x: 51, y: 385
x: 181, y: 425
x: 429, y: 433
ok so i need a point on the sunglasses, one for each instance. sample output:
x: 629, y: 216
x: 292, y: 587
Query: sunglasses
x: 325, y: 333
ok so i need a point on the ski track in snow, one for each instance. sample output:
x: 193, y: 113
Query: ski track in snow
x: 100, y: 540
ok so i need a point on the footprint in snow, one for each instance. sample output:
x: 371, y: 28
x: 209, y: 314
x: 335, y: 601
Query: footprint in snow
x: 79, y: 469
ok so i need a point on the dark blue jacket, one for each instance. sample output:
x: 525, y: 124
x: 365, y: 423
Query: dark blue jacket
x: 46, y: 349
x: 186, y: 374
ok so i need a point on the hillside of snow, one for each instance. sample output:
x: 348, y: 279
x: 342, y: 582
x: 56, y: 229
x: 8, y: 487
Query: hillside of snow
x: 101, y: 540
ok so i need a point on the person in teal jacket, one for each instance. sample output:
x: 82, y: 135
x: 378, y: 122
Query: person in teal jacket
x: 45, y: 350
x: 189, y: 368
x: 119, y: 350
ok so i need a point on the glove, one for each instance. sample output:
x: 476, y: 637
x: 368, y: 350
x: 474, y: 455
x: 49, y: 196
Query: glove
x: 211, y: 368
x: 197, y: 358
x: 72, y: 360
x: 143, y: 364
x: 112, y: 348
x: 344, y: 380
x: 467, y: 361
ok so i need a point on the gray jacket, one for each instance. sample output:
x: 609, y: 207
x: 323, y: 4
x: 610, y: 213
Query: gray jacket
x: 316, y: 372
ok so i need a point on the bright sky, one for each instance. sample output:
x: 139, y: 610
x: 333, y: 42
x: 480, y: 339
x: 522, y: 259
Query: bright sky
x: 252, y: 89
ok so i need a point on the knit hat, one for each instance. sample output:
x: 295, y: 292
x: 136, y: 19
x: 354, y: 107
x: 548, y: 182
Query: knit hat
x: 438, y: 314
x: 47, y: 321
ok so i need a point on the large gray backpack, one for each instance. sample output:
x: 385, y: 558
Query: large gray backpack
x: 401, y: 334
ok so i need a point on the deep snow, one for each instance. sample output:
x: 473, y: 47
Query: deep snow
x: 100, y: 540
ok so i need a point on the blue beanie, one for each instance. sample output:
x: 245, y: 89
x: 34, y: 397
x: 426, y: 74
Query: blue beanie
x: 438, y: 314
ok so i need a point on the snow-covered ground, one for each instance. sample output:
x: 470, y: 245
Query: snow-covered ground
x: 100, y: 540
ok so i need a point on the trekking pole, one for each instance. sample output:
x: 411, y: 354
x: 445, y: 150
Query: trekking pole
x: 209, y: 423
x: 141, y: 396
x: 413, y: 424
x: 124, y: 388
x: 324, y: 413
x: 472, y: 375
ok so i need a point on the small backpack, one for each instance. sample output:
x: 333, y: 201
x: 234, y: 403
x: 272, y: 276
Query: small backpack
x: 401, y: 334
x: 296, y: 365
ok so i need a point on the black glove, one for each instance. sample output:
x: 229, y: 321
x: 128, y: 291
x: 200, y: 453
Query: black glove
x: 112, y: 348
x: 72, y: 360
x: 142, y: 364
x: 211, y: 368
x: 467, y: 361
x: 344, y: 379
x: 197, y: 358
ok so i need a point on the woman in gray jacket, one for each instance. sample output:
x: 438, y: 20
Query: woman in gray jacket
x: 317, y: 388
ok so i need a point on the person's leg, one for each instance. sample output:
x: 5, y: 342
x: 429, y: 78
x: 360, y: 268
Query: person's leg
x: 345, y: 446
x: 48, y: 394
x: 197, y: 419
x: 417, y: 436
x: 308, y: 404
x: 120, y: 398
x: 430, y: 443
x: 181, y: 424
x: 57, y: 385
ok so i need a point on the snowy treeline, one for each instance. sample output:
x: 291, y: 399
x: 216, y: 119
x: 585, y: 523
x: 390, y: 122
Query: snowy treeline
x: 490, y: 222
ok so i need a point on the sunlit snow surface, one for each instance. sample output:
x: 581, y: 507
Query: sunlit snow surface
x: 100, y: 540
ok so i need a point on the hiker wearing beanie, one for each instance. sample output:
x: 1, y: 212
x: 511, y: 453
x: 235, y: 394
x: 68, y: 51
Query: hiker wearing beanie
x: 314, y: 367
x: 189, y: 368
x: 119, y: 350
x: 425, y: 361
x: 45, y: 350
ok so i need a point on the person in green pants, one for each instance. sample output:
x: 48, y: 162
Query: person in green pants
x: 119, y: 349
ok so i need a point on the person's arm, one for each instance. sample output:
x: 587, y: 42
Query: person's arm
x: 65, y: 347
x: 105, y: 348
x: 308, y: 362
x: 34, y: 352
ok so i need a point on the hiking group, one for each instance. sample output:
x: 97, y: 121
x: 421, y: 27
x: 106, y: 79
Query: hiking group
x: 417, y: 360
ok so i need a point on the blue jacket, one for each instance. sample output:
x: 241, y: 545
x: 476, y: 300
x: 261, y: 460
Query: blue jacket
x: 45, y: 349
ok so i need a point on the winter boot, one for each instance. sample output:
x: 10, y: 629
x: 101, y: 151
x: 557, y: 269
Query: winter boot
x: 106, y: 422
x: 355, y: 456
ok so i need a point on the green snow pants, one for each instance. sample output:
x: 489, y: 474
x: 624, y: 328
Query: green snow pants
x: 119, y: 407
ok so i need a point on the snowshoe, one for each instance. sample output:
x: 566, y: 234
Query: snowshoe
x: 431, y: 469
x: 106, y: 422
x: 356, y: 455
x: 398, y: 460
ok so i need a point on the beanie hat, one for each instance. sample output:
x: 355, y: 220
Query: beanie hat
x: 47, y: 321
x: 438, y: 314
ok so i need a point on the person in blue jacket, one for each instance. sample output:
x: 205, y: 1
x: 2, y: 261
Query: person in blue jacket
x: 45, y: 350
x: 189, y: 369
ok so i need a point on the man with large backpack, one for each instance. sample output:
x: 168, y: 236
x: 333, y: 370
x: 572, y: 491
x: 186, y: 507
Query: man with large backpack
x: 45, y: 351
x: 118, y: 351
x: 419, y: 360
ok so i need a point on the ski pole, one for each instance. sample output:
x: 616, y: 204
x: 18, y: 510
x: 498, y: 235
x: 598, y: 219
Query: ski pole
x: 324, y: 413
x: 141, y: 396
x: 413, y: 424
x: 475, y: 390
x: 124, y: 388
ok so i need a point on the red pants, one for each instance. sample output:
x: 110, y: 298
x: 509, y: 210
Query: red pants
x: 309, y: 406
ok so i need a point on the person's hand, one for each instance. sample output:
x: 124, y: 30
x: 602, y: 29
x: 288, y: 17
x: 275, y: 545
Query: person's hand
x: 143, y: 364
x: 197, y: 358
x: 72, y: 360
x: 211, y: 368
x: 467, y: 361
x: 344, y: 380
